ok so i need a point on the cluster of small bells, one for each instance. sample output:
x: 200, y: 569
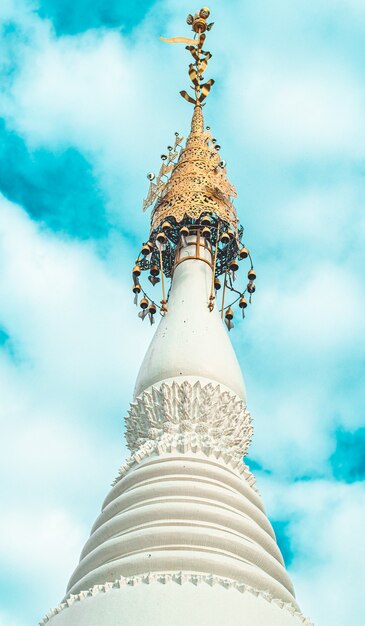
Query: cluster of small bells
x: 229, y: 252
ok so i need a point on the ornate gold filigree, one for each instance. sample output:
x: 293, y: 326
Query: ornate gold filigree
x: 156, y: 188
x: 198, y: 182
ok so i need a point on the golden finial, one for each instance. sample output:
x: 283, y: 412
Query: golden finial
x: 199, y: 25
x: 191, y: 195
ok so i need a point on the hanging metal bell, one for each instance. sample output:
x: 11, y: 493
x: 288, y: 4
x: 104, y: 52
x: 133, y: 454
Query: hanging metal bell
x: 146, y: 250
x: 242, y: 304
x: 228, y: 320
x: 217, y: 284
x: 153, y: 277
x: 154, y: 270
x: 136, y: 290
x: 230, y: 233
x: 224, y: 238
x: 166, y: 226
x: 136, y: 271
x: 143, y: 304
x: 251, y: 274
x: 206, y: 220
x: 206, y: 232
x: 151, y: 312
x: 244, y: 253
x: 233, y: 266
x: 184, y: 231
x: 251, y: 287
x: 161, y: 238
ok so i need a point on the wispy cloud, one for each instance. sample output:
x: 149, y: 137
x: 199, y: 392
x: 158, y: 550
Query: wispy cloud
x: 55, y: 380
x: 324, y: 522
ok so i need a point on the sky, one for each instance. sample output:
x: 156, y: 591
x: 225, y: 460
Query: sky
x: 88, y: 101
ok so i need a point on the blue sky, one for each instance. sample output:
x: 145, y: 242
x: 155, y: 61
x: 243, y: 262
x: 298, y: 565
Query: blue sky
x: 88, y: 101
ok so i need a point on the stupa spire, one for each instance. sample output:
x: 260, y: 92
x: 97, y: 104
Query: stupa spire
x: 183, y: 538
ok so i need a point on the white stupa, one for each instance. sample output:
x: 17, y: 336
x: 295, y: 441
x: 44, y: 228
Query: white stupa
x: 183, y: 538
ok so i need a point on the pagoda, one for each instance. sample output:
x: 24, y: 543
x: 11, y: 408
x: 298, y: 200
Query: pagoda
x: 182, y: 538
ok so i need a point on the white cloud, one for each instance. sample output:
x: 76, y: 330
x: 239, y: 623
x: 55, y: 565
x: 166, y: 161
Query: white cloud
x: 326, y: 535
x: 71, y: 361
x: 68, y: 310
x: 322, y: 220
x: 39, y: 548
x: 40, y: 543
x: 301, y: 112
x: 307, y: 324
x: 292, y: 435
x: 63, y: 386
x: 54, y: 104
x: 353, y: 8
x: 319, y: 312
x: 10, y: 9
x: 89, y: 91
x: 9, y: 620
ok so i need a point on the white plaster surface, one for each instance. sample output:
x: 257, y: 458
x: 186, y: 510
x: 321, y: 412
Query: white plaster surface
x: 183, y: 512
x: 211, y: 413
x: 171, y: 604
x: 191, y: 340
x: 184, y: 506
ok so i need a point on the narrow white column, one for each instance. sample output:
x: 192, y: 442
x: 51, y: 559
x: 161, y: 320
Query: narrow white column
x: 191, y: 340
